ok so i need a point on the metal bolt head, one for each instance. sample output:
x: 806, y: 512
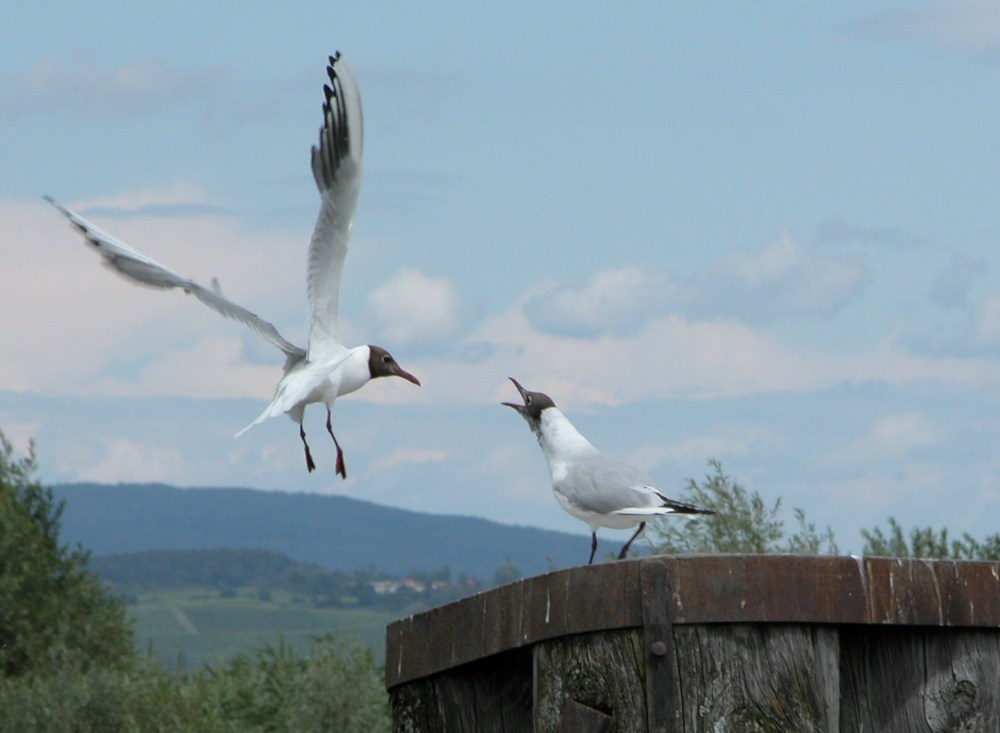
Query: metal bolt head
x: 658, y: 648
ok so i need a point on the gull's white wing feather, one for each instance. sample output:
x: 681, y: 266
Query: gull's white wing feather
x: 140, y: 269
x: 336, y: 166
x: 296, y: 387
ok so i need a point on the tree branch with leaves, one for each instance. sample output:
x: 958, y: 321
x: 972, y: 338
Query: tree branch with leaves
x: 744, y: 523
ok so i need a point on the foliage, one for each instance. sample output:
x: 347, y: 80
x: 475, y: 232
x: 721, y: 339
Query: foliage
x: 227, y: 571
x: 507, y: 573
x: 927, y: 542
x: 67, y: 661
x: 335, y: 687
x: 744, y: 523
x: 54, y: 613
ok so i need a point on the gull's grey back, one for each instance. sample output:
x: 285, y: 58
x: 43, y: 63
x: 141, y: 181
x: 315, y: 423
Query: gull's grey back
x: 602, y: 484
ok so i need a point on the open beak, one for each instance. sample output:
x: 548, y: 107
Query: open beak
x: 523, y: 391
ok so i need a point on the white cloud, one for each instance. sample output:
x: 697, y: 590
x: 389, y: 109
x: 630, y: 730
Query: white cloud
x: 211, y: 368
x: 406, y: 457
x: 415, y: 309
x: 667, y: 357
x: 128, y: 460
x: 725, y: 441
x: 784, y: 279
x: 78, y: 324
x: 139, y: 203
x: 609, y: 301
x: 897, y: 435
x: 21, y: 434
x: 674, y: 358
x: 80, y: 330
x: 892, y: 438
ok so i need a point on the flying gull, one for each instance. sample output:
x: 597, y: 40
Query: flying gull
x: 326, y: 369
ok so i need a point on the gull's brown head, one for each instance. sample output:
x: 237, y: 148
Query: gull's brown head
x: 534, y: 403
x: 382, y: 364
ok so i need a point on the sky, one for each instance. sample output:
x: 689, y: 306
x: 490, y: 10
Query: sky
x: 765, y: 236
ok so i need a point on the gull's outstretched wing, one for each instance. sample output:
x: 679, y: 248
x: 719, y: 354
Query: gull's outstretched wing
x: 336, y: 166
x: 138, y: 268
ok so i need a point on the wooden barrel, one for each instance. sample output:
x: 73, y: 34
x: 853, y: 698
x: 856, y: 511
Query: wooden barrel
x: 726, y: 643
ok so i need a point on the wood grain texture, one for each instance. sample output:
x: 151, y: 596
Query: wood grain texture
x: 743, y: 678
x: 514, y: 615
x: 579, y: 718
x: 602, y: 670
x: 662, y: 675
x: 490, y: 696
x: 920, y: 680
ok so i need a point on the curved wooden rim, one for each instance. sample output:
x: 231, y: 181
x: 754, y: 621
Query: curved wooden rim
x: 703, y: 589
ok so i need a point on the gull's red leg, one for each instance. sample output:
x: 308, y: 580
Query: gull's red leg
x: 341, y: 470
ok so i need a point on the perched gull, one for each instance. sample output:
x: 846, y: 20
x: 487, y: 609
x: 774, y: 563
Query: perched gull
x: 592, y: 486
x: 327, y: 369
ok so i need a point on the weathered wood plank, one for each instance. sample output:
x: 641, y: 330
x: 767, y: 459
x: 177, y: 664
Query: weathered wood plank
x: 661, y: 677
x: 602, y: 670
x: 414, y: 707
x: 752, y: 588
x: 490, y: 696
x: 579, y: 718
x: 733, y: 677
x: 758, y: 678
x: 920, y: 680
x: 704, y: 589
x: 521, y: 613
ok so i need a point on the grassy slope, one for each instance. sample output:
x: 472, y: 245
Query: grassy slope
x: 198, y: 626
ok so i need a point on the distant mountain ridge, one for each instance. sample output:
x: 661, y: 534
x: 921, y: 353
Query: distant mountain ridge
x: 335, y: 532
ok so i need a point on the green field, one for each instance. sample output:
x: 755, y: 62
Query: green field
x: 190, y: 628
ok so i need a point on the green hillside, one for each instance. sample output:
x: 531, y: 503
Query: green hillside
x: 208, y: 573
x: 218, y: 568
x: 335, y: 532
x: 196, y: 607
x: 198, y: 626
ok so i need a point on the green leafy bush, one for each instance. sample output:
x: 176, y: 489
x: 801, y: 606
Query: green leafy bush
x: 928, y: 542
x: 744, y: 523
x: 335, y: 688
x: 54, y: 613
x: 68, y: 663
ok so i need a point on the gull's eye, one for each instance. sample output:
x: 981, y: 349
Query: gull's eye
x: 386, y: 359
x: 527, y: 399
